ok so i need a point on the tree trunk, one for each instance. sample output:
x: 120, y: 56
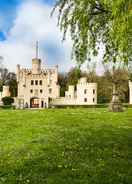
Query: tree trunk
x: 115, y: 105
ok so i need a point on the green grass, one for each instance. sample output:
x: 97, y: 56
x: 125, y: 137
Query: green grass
x: 65, y: 146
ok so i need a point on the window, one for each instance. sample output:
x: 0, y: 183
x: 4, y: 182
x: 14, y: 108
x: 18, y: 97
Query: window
x: 85, y: 99
x: 93, y: 99
x: 41, y: 91
x: 50, y: 91
x: 36, y: 82
x: 31, y: 91
x: 50, y: 81
x: 32, y: 82
x: 93, y: 91
x: 40, y: 82
x: 85, y: 91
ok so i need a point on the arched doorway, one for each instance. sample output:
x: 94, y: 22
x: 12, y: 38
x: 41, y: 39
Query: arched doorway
x: 34, y: 102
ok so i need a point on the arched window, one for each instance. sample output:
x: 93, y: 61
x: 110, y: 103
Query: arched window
x: 50, y: 91
x: 85, y: 91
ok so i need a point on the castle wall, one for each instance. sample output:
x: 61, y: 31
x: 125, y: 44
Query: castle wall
x: 6, y: 92
x: 86, y: 94
x: 130, y: 92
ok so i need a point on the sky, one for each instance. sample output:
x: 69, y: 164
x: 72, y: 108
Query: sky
x: 22, y: 23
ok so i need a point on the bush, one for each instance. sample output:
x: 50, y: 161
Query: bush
x: 7, y: 100
x: 81, y: 106
x: 7, y: 107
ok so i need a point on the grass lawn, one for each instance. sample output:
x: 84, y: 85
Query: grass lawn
x: 65, y: 146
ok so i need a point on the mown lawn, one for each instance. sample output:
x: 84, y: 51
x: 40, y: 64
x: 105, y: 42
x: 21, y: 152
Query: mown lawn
x: 65, y: 146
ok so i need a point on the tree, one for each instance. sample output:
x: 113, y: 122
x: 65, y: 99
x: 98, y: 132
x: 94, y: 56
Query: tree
x: 62, y: 80
x: 96, y: 22
x: 8, y: 77
x: 12, y: 83
x: 73, y: 76
x: 117, y: 74
x: 92, y: 22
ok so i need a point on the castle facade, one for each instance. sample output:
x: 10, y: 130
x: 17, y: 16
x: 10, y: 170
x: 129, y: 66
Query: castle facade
x: 36, y: 86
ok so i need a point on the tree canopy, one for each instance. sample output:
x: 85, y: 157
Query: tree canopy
x: 95, y: 22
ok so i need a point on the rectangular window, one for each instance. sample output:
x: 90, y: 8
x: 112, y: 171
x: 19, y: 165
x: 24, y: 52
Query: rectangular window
x: 85, y: 99
x: 85, y: 91
x: 36, y: 82
x: 41, y: 91
x: 93, y: 91
x: 50, y: 91
x: 31, y: 91
x: 40, y: 82
x: 93, y: 99
x: 32, y: 82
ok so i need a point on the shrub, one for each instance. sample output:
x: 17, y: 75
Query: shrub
x: 7, y: 100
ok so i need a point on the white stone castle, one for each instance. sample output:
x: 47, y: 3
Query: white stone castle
x: 38, y: 88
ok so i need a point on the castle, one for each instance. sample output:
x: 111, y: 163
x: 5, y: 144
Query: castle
x: 38, y: 88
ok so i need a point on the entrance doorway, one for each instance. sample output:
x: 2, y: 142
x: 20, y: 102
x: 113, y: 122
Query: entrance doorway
x: 34, y: 103
x: 42, y: 104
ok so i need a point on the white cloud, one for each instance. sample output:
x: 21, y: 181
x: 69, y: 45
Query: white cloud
x: 33, y: 22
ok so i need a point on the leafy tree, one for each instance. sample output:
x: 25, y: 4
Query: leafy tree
x: 96, y: 22
x: 92, y: 22
x: 62, y: 80
x: 10, y: 78
x: 73, y: 76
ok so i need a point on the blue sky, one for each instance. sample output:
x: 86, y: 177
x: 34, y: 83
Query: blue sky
x: 8, y: 12
x: 22, y: 23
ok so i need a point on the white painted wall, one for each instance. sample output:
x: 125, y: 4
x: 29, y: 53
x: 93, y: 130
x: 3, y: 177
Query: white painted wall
x: 130, y: 92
